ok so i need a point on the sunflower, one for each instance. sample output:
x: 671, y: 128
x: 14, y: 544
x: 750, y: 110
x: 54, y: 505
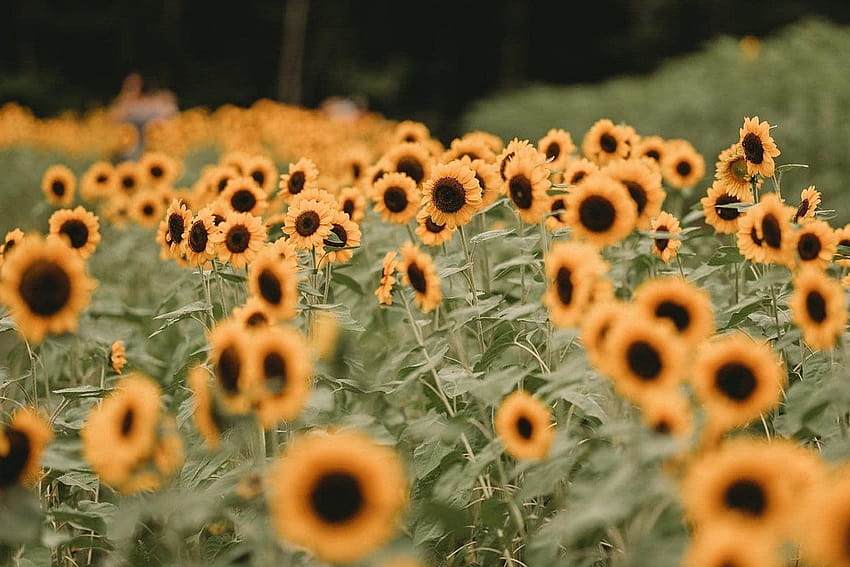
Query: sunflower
x: 679, y: 301
x: 736, y: 378
x: 600, y: 211
x: 768, y: 226
x: 842, y: 238
x: 594, y: 328
x: 668, y: 413
x: 347, y: 237
x: 339, y: 494
x: 509, y: 152
x: 557, y: 145
x: 388, y: 279
x: 682, y: 166
x: 758, y: 146
x: 263, y: 171
x: 815, y: 244
x: 605, y: 142
x: 233, y: 365
x: 116, y: 209
x: 643, y: 359
x: 98, y: 181
x: 741, y: 485
x: 665, y: 248
x: 284, y: 368
x: 353, y: 203
x: 128, y: 176
x: 204, y: 413
x: 578, y: 170
x: 253, y: 313
x: 168, y: 455
x: 146, y: 209
x: 430, y: 232
x: 44, y: 287
x: 451, y: 195
x: 58, y: 184
x: 120, y: 433
x: 308, y: 223
x: 418, y: 271
x: 819, y: 307
x: 488, y: 179
x: 198, y: 245
x: 556, y: 219
x: 722, y: 546
x: 239, y: 238
x: 731, y: 173
x: 396, y: 198
x: 303, y: 173
x: 410, y: 131
x: 172, y: 230
x: 117, y: 356
x: 244, y: 195
x: 827, y: 522
x: 411, y: 158
x: 78, y: 228
x: 22, y: 443
x: 470, y: 147
x: 650, y: 147
x: 723, y: 219
x: 12, y: 239
x: 524, y: 426
x: 643, y: 185
x: 526, y: 185
x: 158, y: 168
x: 355, y: 163
x: 571, y: 269
x: 273, y: 281
x: 809, y: 201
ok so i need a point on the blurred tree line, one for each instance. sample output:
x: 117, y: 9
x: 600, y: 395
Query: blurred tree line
x: 425, y: 61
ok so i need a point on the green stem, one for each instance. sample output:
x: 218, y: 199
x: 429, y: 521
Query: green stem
x: 469, y: 274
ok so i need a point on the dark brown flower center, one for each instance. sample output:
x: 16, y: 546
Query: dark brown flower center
x: 564, y: 285
x: 395, y: 199
x: 227, y: 370
x: 411, y: 167
x: 127, y: 422
x: 417, y: 278
x: 755, y: 237
x: 684, y: 168
x: 662, y: 426
x: 256, y: 319
x: 644, y: 360
x: 746, y: 496
x: 557, y: 208
x: 76, y: 231
x: 816, y: 306
x: 348, y: 207
x: 577, y: 177
x: 13, y: 463
x: 128, y: 182
x: 448, y: 195
x: 356, y: 170
x: 736, y: 381
x: 753, y: 148
x: 808, y: 246
x: 608, y: 143
x: 259, y: 177
x: 243, y: 200
x: 101, y: 179
x: 654, y: 154
x: 508, y: 157
x: 176, y: 227
x: 296, y: 182
x: 771, y: 231
x: 553, y: 150
x: 274, y: 372
x: 148, y: 210
x: 270, y: 288
x: 58, y: 188
x: 726, y: 213
x: 661, y: 243
x: 524, y: 427
x: 596, y: 213
x: 198, y: 237
x: 156, y: 172
x: 676, y: 312
x: 45, y: 288
x: 238, y: 239
x: 307, y: 223
x: 431, y: 226
x: 337, y: 497
x: 341, y: 233
x: 520, y: 191
x: 638, y: 194
x: 801, y: 210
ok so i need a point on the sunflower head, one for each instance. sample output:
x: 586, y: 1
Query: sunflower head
x: 682, y: 166
x: 22, y: 442
x: 58, y: 185
x: 451, y: 194
x: 524, y: 426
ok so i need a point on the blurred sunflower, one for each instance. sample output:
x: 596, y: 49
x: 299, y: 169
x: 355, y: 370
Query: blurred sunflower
x: 600, y: 211
x: 418, y: 271
x: 396, y: 198
x: 665, y: 248
x: 172, y: 230
x: 578, y: 170
x: 758, y: 146
x: 10, y: 241
x: 651, y: 147
x: 146, y: 209
x: 302, y: 174
x: 684, y: 304
x: 819, y: 307
x: 77, y: 228
x: 253, y: 313
x: 346, y: 237
x: 339, y: 494
x: 233, y: 365
x: 809, y: 200
x: 815, y: 245
x: 239, y: 238
x: 410, y: 158
x: 263, y: 171
x: 410, y: 131
x: 198, y: 244
x: 58, y: 184
x: 128, y: 177
x: 605, y: 142
x: 244, y: 195
x: 571, y: 270
x: 469, y: 147
x: 22, y: 443
x: 205, y: 416
x: 285, y: 368
x: 827, y: 520
x: 643, y: 185
x: 668, y: 413
x: 524, y: 426
x: 117, y: 356
x: 723, y: 220
x: 273, y: 282
x: 723, y: 546
x: 388, y: 279
x: 683, y: 166
x: 488, y: 179
x: 451, y: 194
x: 842, y: 237
x: 558, y: 147
x: 98, y: 181
x: 44, y: 287
x: 158, y: 168
x: 556, y: 219
x: 510, y: 151
x: 595, y: 325
x: 526, y: 185
x: 353, y: 203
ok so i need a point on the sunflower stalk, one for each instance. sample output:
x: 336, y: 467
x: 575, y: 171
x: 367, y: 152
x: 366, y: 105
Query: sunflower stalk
x: 469, y: 274
x: 206, y: 283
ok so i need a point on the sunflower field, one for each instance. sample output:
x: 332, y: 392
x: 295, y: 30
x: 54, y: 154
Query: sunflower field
x: 282, y: 338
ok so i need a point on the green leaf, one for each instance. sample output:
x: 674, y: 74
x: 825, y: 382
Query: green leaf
x: 20, y: 516
x: 347, y: 281
x: 490, y: 234
x: 725, y: 255
x: 81, y: 392
x: 428, y: 455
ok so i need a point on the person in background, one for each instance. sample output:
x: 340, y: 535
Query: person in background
x: 138, y: 105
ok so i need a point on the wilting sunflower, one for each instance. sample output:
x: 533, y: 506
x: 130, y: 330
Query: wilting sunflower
x: 244, y: 195
x: 158, y: 168
x: 819, y: 307
x: 172, y: 230
x: 302, y: 174
x: 146, y: 208
x: 578, y: 170
x: 469, y: 147
x: 600, y: 211
x: 273, y: 281
x: 509, y: 152
x: 284, y: 365
x: 736, y: 378
x: 353, y: 203
x: 595, y: 325
x: 198, y: 244
x: 665, y: 248
x: 683, y: 166
x: 451, y: 195
x: 347, y: 237
x: 558, y: 147
x: 239, y: 238
x: 263, y: 171
x: 308, y: 223
x: 45, y: 287
x: 731, y: 173
x: 814, y: 244
x: 643, y: 359
x: 117, y: 356
x: 606, y: 141
x: 78, y: 228
x: 22, y: 443
x: 121, y: 432
x: 58, y: 184
x: 650, y: 147
x: 526, y: 185
x: 668, y: 413
x: 524, y: 426
x: 98, y: 182
x: 759, y: 147
x: 571, y: 270
x: 339, y: 494
x: 809, y: 201
x: 764, y: 233
x: 410, y: 158
x: 430, y: 232
x: 826, y: 518
x: 389, y: 266
x: 684, y: 304
x: 741, y: 485
x: 724, y: 546
x: 128, y: 177
x: 396, y: 198
x: 418, y: 271
x: 723, y: 220
x: 233, y: 365
x: 643, y: 185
